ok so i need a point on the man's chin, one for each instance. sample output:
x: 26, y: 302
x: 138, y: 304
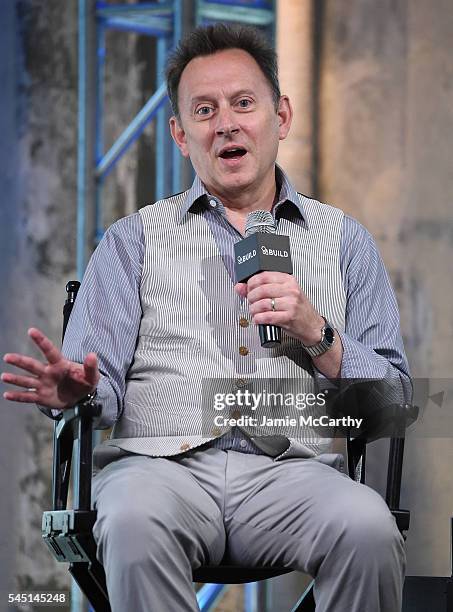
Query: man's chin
x: 235, y: 180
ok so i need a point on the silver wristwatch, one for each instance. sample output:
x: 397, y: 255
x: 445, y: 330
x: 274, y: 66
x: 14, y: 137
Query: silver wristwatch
x: 327, y: 341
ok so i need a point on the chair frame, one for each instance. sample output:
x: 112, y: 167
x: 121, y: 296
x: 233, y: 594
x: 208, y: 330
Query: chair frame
x: 68, y: 532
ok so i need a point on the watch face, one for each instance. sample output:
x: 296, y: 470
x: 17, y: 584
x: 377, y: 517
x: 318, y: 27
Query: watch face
x: 329, y: 334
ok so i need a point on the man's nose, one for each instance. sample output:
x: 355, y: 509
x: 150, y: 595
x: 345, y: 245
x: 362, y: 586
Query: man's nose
x: 226, y: 122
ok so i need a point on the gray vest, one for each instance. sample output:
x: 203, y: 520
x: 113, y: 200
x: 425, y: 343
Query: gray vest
x: 197, y: 342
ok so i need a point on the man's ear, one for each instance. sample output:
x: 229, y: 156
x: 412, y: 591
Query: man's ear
x: 285, y: 116
x: 179, y: 136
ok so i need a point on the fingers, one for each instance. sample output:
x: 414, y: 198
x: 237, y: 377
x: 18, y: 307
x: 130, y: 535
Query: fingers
x: 266, y: 278
x: 271, y: 318
x: 29, y: 397
x: 241, y: 289
x: 264, y: 293
x: 23, y: 398
x: 265, y: 305
x: 20, y: 381
x: 272, y: 285
x: 25, y: 363
x: 31, y: 365
x: 258, y: 280
x: 47, y: 348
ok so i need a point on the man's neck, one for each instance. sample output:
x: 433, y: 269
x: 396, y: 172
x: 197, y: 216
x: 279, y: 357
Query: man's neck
x: 238, y: 208
x: 238, y: 218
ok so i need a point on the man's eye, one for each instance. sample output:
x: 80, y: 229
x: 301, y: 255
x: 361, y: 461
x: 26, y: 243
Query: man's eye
x: 203, y: 110
x: 244, y: 103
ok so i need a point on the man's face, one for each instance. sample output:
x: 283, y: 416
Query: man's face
x: 228, y: 123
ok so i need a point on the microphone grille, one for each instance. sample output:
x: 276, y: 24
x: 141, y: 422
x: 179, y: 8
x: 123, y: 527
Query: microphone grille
x: 260, y: 221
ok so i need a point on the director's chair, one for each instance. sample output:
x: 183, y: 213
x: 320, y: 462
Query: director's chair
x: 68, y: 532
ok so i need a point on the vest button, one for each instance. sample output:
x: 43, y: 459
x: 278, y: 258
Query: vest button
x: 243, y: 350
x: 240, y: 382
x: 243, y: 322
x: 236, y: 414
x: 185, y: 446
x: 216, y: 431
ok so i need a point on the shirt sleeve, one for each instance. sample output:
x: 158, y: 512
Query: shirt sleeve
x: 107, y: 313
x: 372, y: 342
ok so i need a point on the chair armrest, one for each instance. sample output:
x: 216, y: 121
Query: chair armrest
x: 74, y: 428
x: 377, y: 403
x: 391, y: 422
x: 87, y: 409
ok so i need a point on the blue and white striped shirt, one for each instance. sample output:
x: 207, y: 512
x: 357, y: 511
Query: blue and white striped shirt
x: 107, y: 313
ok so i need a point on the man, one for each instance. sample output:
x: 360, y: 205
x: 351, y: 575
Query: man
x: 160, y: 311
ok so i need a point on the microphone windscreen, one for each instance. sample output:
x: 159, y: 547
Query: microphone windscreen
x: 260, y: 221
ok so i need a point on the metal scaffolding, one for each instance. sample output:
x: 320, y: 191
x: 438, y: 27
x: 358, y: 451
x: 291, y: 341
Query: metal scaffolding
x: 165, y: 21
x: 162, y: 20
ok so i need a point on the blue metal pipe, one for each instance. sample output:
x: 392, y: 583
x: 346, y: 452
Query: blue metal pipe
x: 251, y: 597
x: 99, y: 126
x: 132, y: 132
x: 176, y: 186
x: 236, y: 13
x: 158, y: 28
x: 209, y: 594
x: 162, y: 162
x: 302, y: 597
x: 252, y: 4
x: 81, y: 140
x: 159, y: 8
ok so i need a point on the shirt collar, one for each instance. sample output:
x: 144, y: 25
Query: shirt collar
x: 198, y: 194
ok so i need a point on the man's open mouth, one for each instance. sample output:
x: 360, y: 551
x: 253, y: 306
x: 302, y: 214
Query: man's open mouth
x: 232, y: 153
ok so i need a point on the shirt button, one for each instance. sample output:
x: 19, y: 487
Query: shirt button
x: 243, y: 350
x: 185, y: 446
x: 236, y: 414
x: 240, y: 382
x: 212, y: 203
x: 243, y: 322
x: 243, y: 443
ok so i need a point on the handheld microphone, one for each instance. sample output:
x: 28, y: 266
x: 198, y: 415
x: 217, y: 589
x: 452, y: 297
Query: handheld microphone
x: 262, y: 250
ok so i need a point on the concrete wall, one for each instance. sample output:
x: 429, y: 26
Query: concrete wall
x: 38, y: 175
x: 386, y: 126
x: 295, y: 37
x: 372, y: 86
x: 38, y: 114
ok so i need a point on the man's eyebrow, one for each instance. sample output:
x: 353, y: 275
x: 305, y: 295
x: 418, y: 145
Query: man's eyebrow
x: 211, y: 97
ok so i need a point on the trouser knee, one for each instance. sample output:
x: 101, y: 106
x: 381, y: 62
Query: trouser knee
x: 370, y: 538
x: 134, y: 534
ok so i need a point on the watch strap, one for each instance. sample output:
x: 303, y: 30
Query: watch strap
x: 327, y: 341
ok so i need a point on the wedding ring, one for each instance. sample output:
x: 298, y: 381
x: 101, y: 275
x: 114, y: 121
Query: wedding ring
x: 273, y: 304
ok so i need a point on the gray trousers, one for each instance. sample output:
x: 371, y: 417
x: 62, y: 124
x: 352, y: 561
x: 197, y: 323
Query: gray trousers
x: 160, y: 517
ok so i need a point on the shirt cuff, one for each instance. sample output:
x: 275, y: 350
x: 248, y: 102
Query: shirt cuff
x: 360, y: 361
x: 106, y: 397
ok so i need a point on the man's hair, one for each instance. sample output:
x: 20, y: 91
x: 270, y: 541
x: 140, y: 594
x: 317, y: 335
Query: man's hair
x: 207, y: 40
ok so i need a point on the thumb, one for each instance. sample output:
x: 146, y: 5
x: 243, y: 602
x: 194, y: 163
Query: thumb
x: 90, y: 366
